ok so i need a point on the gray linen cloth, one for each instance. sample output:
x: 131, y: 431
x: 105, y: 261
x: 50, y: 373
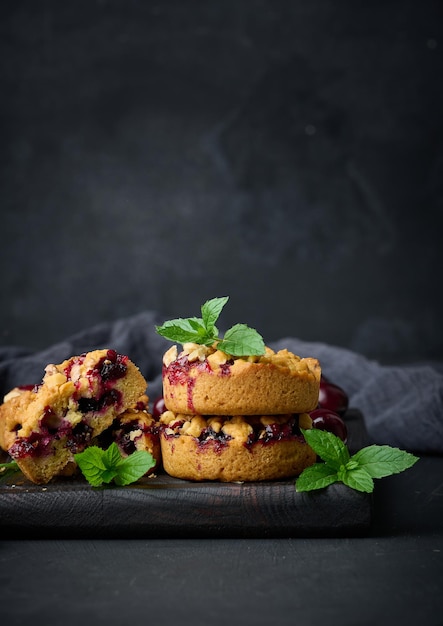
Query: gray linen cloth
x: 402, y: 405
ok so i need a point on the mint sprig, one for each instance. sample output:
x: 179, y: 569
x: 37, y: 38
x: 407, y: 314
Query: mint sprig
x: 356, y: 471
x: 8, y: 468
x: 240, y: 340
x: 100, y: 466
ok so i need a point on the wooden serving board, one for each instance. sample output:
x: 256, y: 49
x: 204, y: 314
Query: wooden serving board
x: 162, y: 506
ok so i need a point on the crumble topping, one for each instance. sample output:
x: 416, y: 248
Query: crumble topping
x: 283, y: 359
x: 239, y: 427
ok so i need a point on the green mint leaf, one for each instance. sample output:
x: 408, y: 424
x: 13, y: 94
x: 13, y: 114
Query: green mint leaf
x: 102, y: 466
x: 197, y: 324
x: 111, y: 457
x: 10, y: 465
x: 316, y: 476
x: 92, y: 465
x: 381, y: 461
x: 356, y: 471
x: 205, y: 336
x: 240, y: 340
x: 328, y: 446
x: 185, y: 331
x: 108, y: 475
x: 211, y: 311
x: 133, y: 467
x: 357, y: 478
x: 6, y: 469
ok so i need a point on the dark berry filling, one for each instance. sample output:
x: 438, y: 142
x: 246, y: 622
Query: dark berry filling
x: 112, y: 366
x: 225, y: 368
x: 276, y: 432
x: 263, y: 435
x: 29, y: 446
x: 141, y: 405
x: 217, y: 440
x: 50, y: 421
x: 126, y: 444
x: 207, y: 438
x: 123, y: 437
x: 80, y: 435
x: 96, y: 405
x: 122, y: 434
x: 52, y: 428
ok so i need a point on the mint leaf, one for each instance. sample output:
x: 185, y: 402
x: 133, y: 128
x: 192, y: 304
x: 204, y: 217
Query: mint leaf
x: 357, y: 478
x: 240, y: 340
x: 6, y: 469
x: 381, y: 461
x: 356, y: 471
x: 186, y: 330
x: 111, y: 457
x: 211, y: 311
x: 134, y: 467
x: 91, y: 464
x: 316, y: 477
x: 10, y: 465
x: 328, y: 446
x: 102, y: 466
x: 197, y: 325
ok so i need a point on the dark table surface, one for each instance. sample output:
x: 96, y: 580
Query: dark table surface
x: 392, y: 575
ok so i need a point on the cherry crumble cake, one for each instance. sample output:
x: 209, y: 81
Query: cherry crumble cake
x: 44, y: 426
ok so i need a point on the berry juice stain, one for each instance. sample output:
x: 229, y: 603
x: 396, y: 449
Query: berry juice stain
x: 40, y: 444
x: 225, y: 368
x: 179, y: 373
x: 189, y: 394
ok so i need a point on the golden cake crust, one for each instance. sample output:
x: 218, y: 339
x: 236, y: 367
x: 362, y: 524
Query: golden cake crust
x: 186, y: 455
x: 210, y: 382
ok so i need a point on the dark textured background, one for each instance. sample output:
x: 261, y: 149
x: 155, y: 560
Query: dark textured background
x: 285, y: 153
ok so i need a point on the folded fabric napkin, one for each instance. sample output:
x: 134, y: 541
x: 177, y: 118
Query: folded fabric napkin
x: 402, y: 406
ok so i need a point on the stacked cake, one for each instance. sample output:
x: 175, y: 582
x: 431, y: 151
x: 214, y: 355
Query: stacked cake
x: 236, y: 418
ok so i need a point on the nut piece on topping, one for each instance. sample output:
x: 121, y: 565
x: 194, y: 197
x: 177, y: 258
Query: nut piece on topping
x: 195, y: 352
x: 170, y: 356
x: 218, y: 358
x: 195, y: 427
x: 237, y: 427
x: 283, y: 359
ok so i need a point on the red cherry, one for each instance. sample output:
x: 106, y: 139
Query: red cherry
x: 332, y: 397
x: 158, y: 407
x: 325, y: 419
